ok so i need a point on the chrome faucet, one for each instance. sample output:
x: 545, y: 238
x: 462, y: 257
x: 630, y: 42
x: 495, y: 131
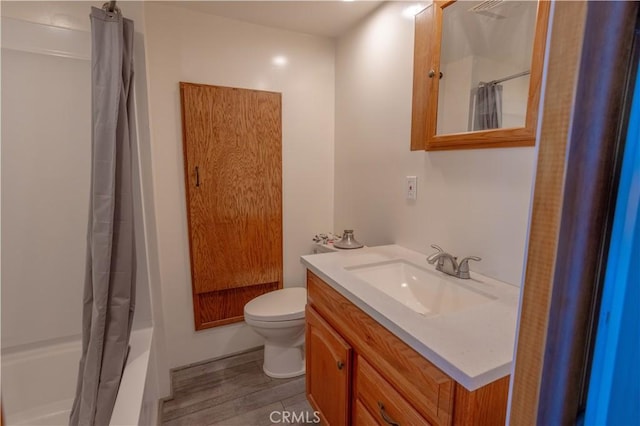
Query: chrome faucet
x: 448, y: 263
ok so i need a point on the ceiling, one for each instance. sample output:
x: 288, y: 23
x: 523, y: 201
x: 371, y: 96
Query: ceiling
x: 321, y: 18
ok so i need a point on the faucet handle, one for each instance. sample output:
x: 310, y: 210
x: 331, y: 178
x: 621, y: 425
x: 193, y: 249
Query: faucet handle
x: 463, y: 267
x: 439, y: 256
x: 435, y: 256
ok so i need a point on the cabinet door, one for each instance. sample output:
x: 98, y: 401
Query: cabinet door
x: 328, y: 370
x: 233, y: 176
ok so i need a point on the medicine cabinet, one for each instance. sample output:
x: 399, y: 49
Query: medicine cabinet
x: 477, y: 74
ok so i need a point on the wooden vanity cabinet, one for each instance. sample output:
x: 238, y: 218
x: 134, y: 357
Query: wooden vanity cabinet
x: 382, y: 380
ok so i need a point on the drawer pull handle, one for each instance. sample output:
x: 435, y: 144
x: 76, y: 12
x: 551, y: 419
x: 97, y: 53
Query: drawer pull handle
x: 340, y: 365
x: 385, y: 416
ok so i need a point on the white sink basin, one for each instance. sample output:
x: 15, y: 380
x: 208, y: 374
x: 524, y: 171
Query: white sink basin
x: 424, y: 291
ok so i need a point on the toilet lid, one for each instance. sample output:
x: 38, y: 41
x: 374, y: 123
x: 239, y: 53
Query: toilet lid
x: 279, y: 305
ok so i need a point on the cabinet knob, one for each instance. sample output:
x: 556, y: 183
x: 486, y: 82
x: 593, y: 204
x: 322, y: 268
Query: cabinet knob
x: 383, y: 413
x: 340, y: 365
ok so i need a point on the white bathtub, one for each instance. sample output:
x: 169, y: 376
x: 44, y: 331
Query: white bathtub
x: 38, y: 385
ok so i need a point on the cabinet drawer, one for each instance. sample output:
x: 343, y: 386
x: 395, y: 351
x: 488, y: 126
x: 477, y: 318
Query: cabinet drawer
x: 362, y: 416
x: 380, y: 398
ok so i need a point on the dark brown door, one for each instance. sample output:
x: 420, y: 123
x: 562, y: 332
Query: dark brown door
x: 233, y: 175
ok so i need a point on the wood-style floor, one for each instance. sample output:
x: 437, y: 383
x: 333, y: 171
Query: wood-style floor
x: 233, y: 391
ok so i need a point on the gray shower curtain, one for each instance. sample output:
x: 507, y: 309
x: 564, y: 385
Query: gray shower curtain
x: 109, y: 293
x: 488, y: 107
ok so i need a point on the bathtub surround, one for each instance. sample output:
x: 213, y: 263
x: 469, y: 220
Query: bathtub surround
x: 39, y: 384
x: 109, y: 293
x: 46, y: 78
x: 46, y: 73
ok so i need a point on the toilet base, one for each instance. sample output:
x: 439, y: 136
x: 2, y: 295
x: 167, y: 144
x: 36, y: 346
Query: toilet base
x: 283, y: 362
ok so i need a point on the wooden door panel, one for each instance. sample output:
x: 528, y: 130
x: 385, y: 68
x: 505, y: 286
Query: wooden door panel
x: 233, y: 175
x: 328, y: 358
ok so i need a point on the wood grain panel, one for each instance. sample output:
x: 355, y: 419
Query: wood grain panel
x: 428, y: 388
x: 607, y: 77
x: 485, y: 406
x: 434, y: 82
x: 234, y: 137
x: 328, y: 363
x: 226, y: 306
x: 564, y: 54
x: 232, y: 142
x: 422, y: 84
x: 537, y: 65
x: 362, y: 416
x: 372, y: 390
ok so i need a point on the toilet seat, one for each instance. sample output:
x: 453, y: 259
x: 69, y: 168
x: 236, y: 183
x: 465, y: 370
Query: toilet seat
x: 276, y: 306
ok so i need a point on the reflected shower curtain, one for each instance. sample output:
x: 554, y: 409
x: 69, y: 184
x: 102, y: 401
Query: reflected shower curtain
x: 488, y: 107
x: 109, y: 293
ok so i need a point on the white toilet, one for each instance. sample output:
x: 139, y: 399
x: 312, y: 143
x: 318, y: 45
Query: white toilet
x: 278, y: 316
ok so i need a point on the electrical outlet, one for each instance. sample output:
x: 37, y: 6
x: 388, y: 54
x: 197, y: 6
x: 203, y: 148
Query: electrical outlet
x: 411, y: 188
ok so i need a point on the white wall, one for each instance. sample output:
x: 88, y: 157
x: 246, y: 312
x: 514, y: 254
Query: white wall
x: 186, y: 46
x: 472, y: 202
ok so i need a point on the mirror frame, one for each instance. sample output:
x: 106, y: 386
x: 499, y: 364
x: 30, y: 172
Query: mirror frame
x: 424, y: 118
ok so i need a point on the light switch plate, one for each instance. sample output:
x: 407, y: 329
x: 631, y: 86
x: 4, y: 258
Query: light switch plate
x: 411, y: 187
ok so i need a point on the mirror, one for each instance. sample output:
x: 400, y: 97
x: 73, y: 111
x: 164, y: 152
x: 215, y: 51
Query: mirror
x: 485, y: 57
x: 477, y: 73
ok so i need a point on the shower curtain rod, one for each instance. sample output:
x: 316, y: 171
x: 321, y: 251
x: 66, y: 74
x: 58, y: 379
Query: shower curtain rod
x: 510, y: 77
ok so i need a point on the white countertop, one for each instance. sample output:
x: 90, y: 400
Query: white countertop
x: 473, y: 346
